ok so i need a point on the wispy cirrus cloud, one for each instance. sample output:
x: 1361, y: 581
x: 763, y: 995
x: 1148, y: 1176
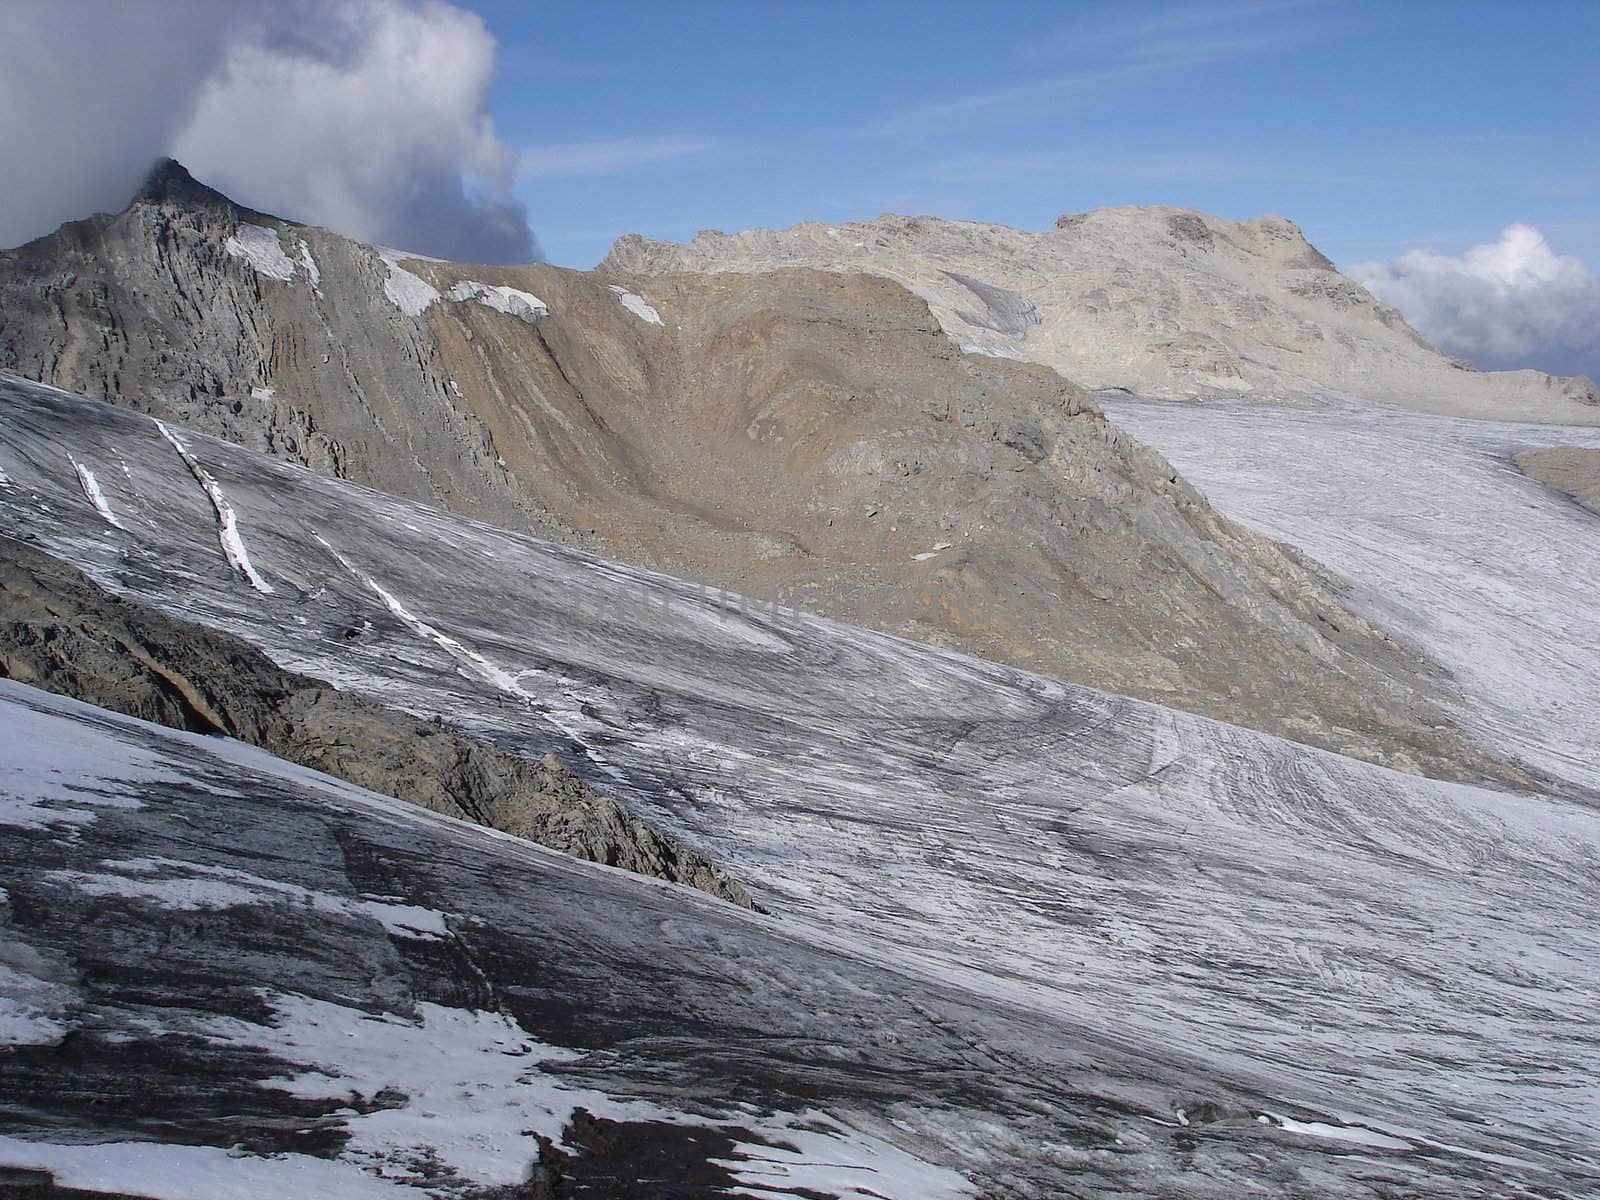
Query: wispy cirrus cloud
x: 612, y: 156
x: 1186, y: 34
x: 1156, y: 41
x: 1190, y: 165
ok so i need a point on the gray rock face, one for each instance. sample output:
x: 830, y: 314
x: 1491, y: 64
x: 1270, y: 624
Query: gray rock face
x: 1160, y: 301
x: 277, y: 336
x: 61, y: 632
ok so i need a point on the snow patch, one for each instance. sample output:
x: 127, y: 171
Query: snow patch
x: 838, y: 1162
x: 310, y: 265
x: 989, y: 351
x: 5, y: 480
x: 411, y: 294
x: 408, y: 920
x: 525, y: 306
x: 201, y: 887
x: 476, y: 1094
x: 31, y: 1008
x: 91, y: 489
x: 471, y: 1080
x: 227, y: 519
x: 166, y: 1171
x: 637, y: 305
x: 260, y: 247
x: 179, y: 893
x: 37, y: 791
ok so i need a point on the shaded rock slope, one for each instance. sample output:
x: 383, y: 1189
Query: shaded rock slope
x: 1162, y: 301
x: 61, y: 632
x: 1572, y: 470
x: 804, y: 437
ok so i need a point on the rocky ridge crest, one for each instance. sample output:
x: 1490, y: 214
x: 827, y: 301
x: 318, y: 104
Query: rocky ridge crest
x: 1166, y: 302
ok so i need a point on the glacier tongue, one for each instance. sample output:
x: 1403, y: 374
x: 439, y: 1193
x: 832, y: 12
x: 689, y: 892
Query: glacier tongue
x: 1077, y: 921
x: 1447, y: 545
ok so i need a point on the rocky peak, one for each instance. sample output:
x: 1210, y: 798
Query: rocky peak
x: 169, y: 182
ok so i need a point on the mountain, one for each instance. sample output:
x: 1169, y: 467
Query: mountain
x: 802, y: 437
x: 1163, y: 302
x: 1022, y: 939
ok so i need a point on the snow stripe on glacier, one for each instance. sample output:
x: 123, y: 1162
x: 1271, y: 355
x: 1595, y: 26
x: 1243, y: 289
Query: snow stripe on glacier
x: 227, y: 519
x: 91, y: 489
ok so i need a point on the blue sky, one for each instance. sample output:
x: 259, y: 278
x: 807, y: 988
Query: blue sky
x: 1380, y: 128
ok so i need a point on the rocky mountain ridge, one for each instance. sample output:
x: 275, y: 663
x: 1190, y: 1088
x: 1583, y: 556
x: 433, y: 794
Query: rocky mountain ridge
x: 1164, y: 302
x: 797, y: 436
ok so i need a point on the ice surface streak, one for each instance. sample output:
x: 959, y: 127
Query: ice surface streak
x: 96, y: 495
x: 227, y: 519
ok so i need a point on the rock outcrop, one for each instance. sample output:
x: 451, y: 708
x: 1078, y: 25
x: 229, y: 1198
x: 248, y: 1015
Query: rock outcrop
x: 1161, y: 301
x: 62, y: 633
x: 1574, y: 470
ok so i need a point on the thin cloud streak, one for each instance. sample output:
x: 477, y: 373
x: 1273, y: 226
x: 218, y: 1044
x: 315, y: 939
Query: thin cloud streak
x: 1177, y: 40
x: 1169, y: 28
x: 611, y: 157
x: 1181, y: 164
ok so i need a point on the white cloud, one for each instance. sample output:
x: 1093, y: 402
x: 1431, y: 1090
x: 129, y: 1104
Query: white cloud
x: 90, y: 95
x: 1499, y: 302
x: 369, y: 116
x: 609, y: 157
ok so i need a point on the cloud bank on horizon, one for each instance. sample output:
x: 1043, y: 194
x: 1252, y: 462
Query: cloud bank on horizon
x: 367, y: 116
x: 1499, y: 303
